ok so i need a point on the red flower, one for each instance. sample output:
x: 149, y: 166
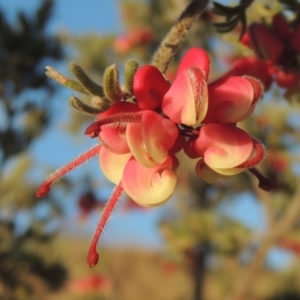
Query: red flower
x: 277, y: 47
x: 225, y: 150
x: 252, y: 66
x: 232, y: 99
x: 139, y: 140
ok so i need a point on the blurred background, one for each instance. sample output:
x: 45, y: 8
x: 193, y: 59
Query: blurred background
x: 226, y: 240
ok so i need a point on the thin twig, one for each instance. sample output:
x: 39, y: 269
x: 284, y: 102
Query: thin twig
x: 279, y: 230
x: 266, y: 200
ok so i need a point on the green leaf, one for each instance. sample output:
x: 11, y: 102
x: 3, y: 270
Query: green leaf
x: 85, y: 80
x: 227, y: 26
x: 65, y: 81
x: 130, y: 68
x: 83, y: 107
x: 111, y: 83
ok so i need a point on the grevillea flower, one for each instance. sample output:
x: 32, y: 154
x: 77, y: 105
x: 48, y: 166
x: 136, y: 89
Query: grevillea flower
x: 186, y: 100
x: 226, y: 150
x: 139, y: 139
x: 232, y: 99
x: 252, y: 66
x: 277, y: 46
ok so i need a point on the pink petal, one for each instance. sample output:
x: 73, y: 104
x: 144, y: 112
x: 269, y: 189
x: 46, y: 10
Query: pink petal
x: 149, y: 87
x: 137, y: 147
x: 149, y: 186
x: 223, y: 146
x: 151, y: 140
x: 257, y: 86
x: 159, y: 135
x: 186, y: 101
x: 113, y: 137
x: 112, y: 165
x: 195, y: 58
x: 251, y: 66
x: 229, y: 99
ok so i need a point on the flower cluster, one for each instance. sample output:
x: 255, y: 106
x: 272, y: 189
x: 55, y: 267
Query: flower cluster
x: 139, y: 140
x: 277, y: 48
x: 140, y: 134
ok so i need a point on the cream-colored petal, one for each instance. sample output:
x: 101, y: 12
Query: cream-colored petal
x: 112, y: 165
x: 149, y: 186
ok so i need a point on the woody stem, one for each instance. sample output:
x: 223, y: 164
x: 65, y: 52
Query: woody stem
x: 176, y: 35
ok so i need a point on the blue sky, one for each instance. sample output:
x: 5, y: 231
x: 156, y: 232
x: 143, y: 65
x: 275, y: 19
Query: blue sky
x: 131, y: 228
x: 76, y: 16
x: 85, y: 16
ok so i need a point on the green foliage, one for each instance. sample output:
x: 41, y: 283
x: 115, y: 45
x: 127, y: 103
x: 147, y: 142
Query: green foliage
x: 24, y: 46
x: 27, y: 270
x: 234, y: 16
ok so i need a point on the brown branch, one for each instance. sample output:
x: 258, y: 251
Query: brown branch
x: 266, y: 200
x: 176, y: 35
x: 273, y: 235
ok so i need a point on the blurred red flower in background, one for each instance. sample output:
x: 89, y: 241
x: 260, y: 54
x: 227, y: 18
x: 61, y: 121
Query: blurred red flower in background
x: 277, y: 47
